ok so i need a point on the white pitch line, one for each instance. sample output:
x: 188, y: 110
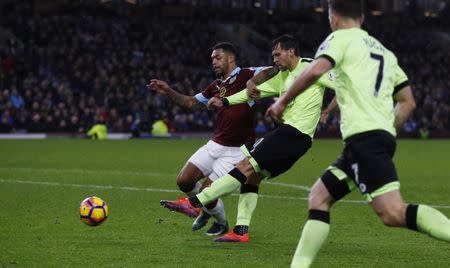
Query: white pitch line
x: 89, y: 171
x: 106, y: 187
x: 128, y: 188
x: 295, y: 186
x: 133, y: 173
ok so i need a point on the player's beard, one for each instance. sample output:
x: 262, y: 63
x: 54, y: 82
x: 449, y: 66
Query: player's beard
x: 219, y: 72
x: 222, y: 71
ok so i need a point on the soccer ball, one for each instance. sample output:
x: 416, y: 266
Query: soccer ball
x: 93, y: 211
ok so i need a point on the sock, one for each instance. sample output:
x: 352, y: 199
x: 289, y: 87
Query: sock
x: 240, y: 229
x: 218, y: 212
x: 429, y: 221
x: 314, y: 234
x: 223, y: 186
x: 195, y: 190
x: 247, y: 203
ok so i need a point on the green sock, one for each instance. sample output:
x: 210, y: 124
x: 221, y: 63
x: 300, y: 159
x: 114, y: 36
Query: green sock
x: 246, y: 206
x: 314, y: 234
x: 433, y: 223
x: 222, y: 186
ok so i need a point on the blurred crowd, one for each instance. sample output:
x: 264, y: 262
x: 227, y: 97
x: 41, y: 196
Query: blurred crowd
x: 65, y: 71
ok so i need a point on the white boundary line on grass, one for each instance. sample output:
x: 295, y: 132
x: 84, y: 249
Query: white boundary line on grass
x: 128, y: 188
x: 90, y: 171
x: 134, y: 173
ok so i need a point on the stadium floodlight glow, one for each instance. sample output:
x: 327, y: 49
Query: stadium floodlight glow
x: 257, y: 4
x: 376, y: 12
x: 431, y: 14
x: 319, y: 9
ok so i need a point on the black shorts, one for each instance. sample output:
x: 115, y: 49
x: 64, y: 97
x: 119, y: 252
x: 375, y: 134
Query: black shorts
x: 367, y: 160
x: 278, y: 150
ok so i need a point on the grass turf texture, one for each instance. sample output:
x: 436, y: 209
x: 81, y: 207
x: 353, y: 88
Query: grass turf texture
x: 39, y: 223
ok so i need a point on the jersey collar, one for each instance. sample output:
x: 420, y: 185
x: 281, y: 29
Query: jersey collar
x: 232, y: 74
x: 235, y: 71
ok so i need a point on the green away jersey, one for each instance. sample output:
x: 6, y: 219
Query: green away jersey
x: 367, y: 76
x: 303, y: 112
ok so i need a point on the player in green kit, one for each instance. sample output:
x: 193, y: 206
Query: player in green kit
x: 368, y: 78
x: 278, y: 150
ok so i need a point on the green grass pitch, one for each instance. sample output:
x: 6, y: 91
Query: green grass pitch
x: 43, y: 182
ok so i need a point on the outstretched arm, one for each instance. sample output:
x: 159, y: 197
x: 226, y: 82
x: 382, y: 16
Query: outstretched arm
x: 237, y: 98
x: 404, y: 107
x: 266, y: 74
x: 189, y: 102
x: 251, y: 92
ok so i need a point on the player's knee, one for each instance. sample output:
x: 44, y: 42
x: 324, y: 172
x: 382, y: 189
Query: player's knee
x: 319, y: 198
x: 185, y: 183
x: 393, y: 217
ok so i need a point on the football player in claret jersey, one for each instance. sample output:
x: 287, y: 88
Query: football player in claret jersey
x: 235, y: 126
x: 368, y: 80
x: 279, y: 149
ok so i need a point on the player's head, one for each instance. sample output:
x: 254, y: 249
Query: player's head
x: 284, y: 51
x: 223, y: 58
x: 343, y: 13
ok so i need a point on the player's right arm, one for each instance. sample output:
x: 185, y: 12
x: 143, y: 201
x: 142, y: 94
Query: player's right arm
x: 189, y: 102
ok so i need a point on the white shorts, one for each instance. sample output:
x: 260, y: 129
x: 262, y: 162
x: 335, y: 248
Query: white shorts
x: 216, y: 160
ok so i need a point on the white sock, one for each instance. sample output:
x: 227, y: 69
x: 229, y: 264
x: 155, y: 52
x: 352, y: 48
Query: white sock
x: 218, y: 212
x: 194, y: 191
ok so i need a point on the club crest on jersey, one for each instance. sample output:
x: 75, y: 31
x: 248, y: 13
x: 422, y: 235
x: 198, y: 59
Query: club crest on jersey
x: 222, y: 92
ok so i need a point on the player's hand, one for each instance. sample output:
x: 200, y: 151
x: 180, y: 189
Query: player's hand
x: 214, y: 102
x: 252, y: 91
x: 276, y: 111
x: 159, y: 86
x: 324, y: 116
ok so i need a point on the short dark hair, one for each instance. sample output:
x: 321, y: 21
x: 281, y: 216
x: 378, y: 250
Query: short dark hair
x: 347, y: 8
x: 227, y: 47
x: 286, y: 41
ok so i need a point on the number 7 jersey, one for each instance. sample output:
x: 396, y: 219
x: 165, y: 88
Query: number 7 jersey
x: 367, y: 76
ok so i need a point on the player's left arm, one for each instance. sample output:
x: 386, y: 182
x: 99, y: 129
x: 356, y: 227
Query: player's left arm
x: 403, y: 96
x: 404, y: 107
x: 327, y: 111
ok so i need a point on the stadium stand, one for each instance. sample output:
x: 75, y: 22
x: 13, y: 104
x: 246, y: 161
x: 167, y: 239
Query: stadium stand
x: 67, y: 68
